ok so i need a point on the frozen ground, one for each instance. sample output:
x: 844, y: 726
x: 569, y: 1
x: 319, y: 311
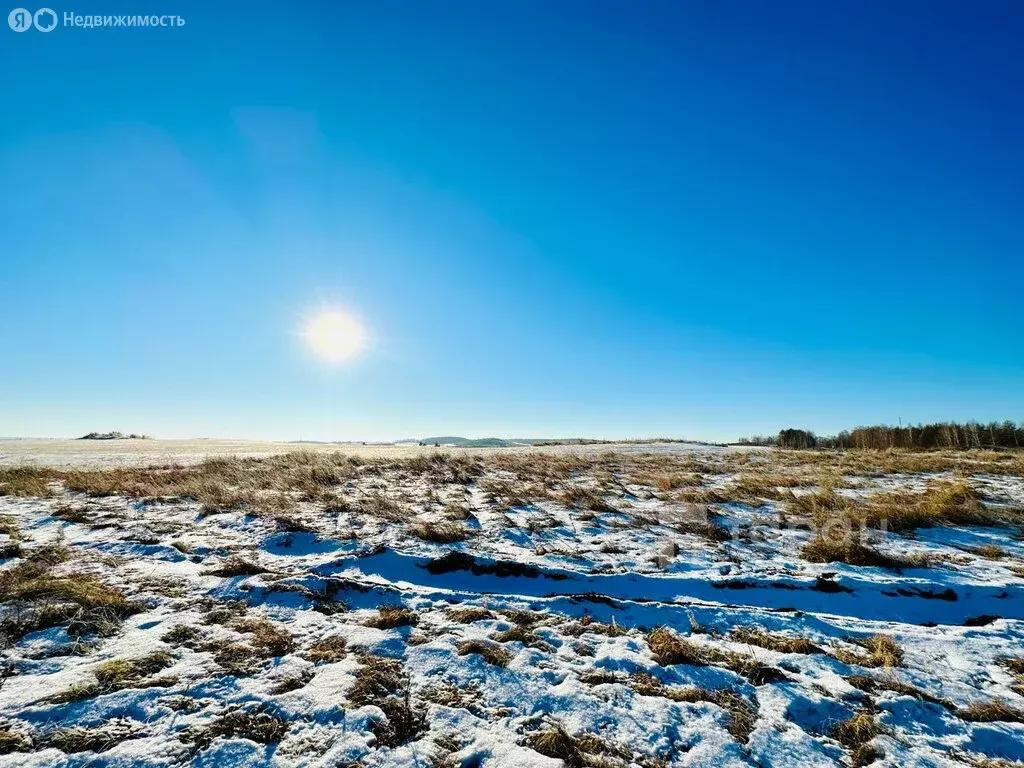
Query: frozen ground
x: 99, y: 454
x: 644, y: 606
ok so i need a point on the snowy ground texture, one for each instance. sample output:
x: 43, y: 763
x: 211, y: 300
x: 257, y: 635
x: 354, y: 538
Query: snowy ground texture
x: 645, y: 606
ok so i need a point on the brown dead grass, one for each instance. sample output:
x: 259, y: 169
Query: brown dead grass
x: 774, y: 642
x: 384, y: 683
x: 742, y: 716
x: 267, y: 639
x: 392, y: 616
x: 850, y: 550
x: 882, y: 651
x: 442, y: 532
x: 25, y: 481
x: 992, y: 711
x: 669, y: 648
x: 943, y: 503
x: 12, y: 741
x: 584, y: 750
x: 855, y: 733
x: 491, y: 652
x: 327, y: 650
x: 469, y: 615
x: 121, y: 674
x: 259, y: 724
x: 892, y: 684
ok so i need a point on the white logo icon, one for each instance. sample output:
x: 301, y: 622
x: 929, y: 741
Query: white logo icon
x: 45, y: 20
x: 20, y: 19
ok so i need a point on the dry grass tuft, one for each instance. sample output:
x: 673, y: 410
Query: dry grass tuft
x: 25, y: 482
x: 326, y: 651
x: 260, y: 725
x: 13, y: 741
x: 462, y: 696
x: 671, y: 482
x: 120, y: 674
x: 442, y: 532
x: 236, y: 565
x: 989, y: 551
x: 524, y: 635
x: 72, y: 513
x: 892, y: 684
x: 585, y: 498
x: 855, y: 733
x: 559, y: 744
x: 847, y: 549
x: 993, y: 711
x: 669, y: 648
x: 943, y: 503
x: 469, y: 615
x: 392, y: 616
x: 601, y: 677
x: 742, y: 716
x: 268, y: 640
x: 754, y: 490
x: 774, y: 642
x: 1016, y: 667
x: 820, y: 506
x: 491, y: 652
x: 383, y: 683
x: 588, y: 624
x: 91, y: 739
x: 44, y: 600
x: 883, y: 651
x: 587, y: 749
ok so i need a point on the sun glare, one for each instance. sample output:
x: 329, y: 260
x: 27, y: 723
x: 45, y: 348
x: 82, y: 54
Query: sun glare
x: 335, y: 336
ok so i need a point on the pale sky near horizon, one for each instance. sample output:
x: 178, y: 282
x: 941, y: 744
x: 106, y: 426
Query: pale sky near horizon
x: 686, y: 219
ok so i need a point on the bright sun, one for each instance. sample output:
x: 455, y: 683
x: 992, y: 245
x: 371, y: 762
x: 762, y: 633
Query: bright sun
x: 334, y: 336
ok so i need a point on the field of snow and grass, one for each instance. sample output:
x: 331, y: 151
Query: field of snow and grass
x: 644, y: 605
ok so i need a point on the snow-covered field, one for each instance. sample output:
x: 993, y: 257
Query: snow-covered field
x: 633, y: 606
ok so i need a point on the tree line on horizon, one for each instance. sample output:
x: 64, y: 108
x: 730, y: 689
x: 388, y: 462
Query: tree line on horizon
x: 948, y: 435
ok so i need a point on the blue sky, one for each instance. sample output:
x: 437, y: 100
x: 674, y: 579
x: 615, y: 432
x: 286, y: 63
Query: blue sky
x: 560, y: 218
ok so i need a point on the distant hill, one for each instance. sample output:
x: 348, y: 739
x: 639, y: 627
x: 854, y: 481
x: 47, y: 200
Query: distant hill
x: 113, y: 436
x: 482, y: 442
x: 506, y: 442
x: 446, y: 440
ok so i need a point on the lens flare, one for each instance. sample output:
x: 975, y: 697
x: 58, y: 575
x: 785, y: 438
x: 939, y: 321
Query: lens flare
x: 335, y: 336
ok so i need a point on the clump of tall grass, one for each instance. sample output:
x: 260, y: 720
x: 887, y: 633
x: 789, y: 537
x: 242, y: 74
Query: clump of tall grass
x: 587, y: 749
x: 942, y: 503
x: 855, y: 733
x: 882, y: 651
x: 25, y: 482
x: 491, y: 652
x: 329, y: 649
x: 993, y: 711
x: 392, y: 616
x: 121, y: 674
x: 383, y: 683
x: 259, y: 724
x: 851, y: 551
x: 441, y: 532
x: 774, y: 642
x: 742, y: 716
x: 669, y: 648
